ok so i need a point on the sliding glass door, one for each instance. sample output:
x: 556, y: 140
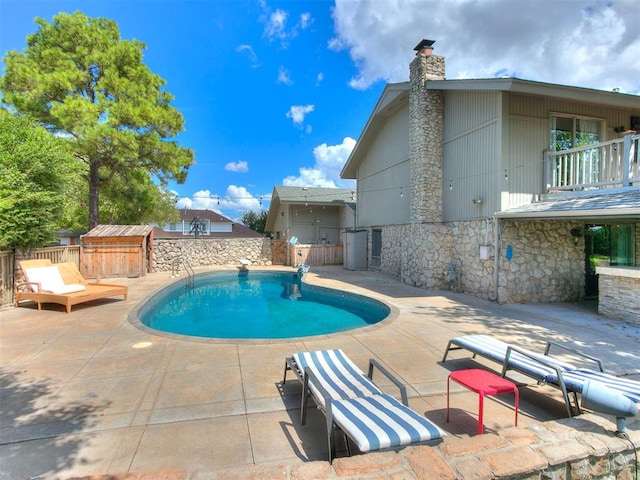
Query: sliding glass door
x: 607, y: 245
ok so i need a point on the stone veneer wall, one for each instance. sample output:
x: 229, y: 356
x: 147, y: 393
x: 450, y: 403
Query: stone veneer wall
x: 619, y: 298
x: 206, y: 252
x: 416, y: 253
x: 546, y: 265
x: 637, y: 240
x: 426, y: 130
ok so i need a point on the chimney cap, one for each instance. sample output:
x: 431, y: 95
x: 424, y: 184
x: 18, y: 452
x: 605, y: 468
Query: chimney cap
x: 424, y: 43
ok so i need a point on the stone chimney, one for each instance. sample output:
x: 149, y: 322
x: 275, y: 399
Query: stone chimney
x: 426, y: 129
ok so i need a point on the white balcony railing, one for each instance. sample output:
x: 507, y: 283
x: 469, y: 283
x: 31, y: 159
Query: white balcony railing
x: 611, y: 164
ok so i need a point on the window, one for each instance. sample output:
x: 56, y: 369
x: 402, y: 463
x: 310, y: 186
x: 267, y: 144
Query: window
x: 196, y: 226
x: 607, y: 245
x: 573, y: 131
x: 376, y: 247
x: 578, y: 169
x: 611, y: 244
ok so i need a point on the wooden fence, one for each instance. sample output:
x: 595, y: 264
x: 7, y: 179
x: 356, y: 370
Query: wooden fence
x: 6, y: 278
x: 10, y: 273
x: 316, y: 255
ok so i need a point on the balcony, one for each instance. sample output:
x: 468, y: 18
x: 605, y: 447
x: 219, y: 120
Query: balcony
x: 612, y: 164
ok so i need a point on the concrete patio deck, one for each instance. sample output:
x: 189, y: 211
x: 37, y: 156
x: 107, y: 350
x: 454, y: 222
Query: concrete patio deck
x: 89, y: 394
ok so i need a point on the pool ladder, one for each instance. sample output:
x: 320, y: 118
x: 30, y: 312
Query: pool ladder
x: 175, y: 270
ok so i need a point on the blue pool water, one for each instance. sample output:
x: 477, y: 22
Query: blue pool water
x: 257, y: 305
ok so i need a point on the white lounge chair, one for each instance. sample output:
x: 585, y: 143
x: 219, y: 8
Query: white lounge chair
x: 544, y: 368
x: 60, y: 283
x: 372, y: 419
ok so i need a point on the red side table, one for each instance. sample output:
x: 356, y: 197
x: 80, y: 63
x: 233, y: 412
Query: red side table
x: 483, y: 383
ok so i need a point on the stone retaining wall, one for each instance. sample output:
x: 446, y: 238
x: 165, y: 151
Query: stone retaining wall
x: 546, y: 265
x: 619, y: 298
x: 581, y: 448
x: 206, y: 252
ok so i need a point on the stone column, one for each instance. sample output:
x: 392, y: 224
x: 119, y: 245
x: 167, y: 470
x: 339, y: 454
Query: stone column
x: 426, y: 128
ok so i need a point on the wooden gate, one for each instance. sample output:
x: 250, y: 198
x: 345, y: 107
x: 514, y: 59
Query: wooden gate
x: 278, y: 252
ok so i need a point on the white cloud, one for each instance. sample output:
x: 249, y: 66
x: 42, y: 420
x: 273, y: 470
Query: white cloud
x: 305, y: 20
x: 283, y: 76
x: 232, y: 204
x: 580, y: 42
x: 239, y: 198
x: 252, y: 55
x: 238, y: 167
x: 297, y: 113
x: 319, y: 78
x: 201, y: 200
x: 326, y: 172
x: 275, y: 25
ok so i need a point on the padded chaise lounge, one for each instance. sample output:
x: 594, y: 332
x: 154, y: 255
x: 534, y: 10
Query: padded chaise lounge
x: 544, y: 368
x: 372, y: 419
x: 61, y: 283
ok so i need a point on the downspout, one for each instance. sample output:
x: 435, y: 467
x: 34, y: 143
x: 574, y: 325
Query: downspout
x: 496, y: 257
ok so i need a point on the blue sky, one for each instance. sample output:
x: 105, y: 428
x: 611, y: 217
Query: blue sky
x: 276, y: 93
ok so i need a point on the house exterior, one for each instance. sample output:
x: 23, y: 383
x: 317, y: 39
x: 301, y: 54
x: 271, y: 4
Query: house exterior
x: 312, y: 215
x: 308, y: 224
x: 204, y: 224
x: 511, y: 190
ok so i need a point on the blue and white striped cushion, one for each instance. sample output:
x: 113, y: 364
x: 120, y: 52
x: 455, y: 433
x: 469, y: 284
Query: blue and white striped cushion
x: 339, y: 376
x: 496, y: 350
x: 574, y: 380
x: 381, y: 421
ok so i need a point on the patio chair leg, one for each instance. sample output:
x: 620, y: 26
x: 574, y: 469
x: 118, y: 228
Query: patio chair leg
x: 446, y: 352
x: 347, y: 444
x: 575, y: 399
x: 331, y: 438
x: 303, y: 405
x: 284, y: 377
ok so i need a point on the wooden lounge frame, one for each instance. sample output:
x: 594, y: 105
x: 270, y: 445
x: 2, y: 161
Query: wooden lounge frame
x: 32, y: 291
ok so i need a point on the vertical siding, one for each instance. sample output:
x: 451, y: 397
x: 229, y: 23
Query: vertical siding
x: 541, y: 108
x: 383, y: 179
x: 471, y: 154
x: 528, y: 137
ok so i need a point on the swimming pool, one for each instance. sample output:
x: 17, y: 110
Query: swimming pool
x: 252, y: 305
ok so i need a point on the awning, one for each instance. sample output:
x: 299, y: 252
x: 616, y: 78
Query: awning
x: 621, y: 203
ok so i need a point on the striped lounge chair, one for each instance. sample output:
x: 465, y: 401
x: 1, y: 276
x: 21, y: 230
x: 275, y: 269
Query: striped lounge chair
x: 350, y: 400
x: 544, y: 368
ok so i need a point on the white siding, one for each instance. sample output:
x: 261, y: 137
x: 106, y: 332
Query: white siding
x: 527, y: 139
x: 471, y: 155
x: 315, y: 224
x: 527, y: 136
x: 383, y: 178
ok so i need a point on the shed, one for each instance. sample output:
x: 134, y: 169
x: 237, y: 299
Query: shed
x: 116, y: 251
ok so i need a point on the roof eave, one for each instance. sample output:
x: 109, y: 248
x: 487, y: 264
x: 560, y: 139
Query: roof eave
x: 572, y: 214
x: 393, y: 95
x: 516, y: 85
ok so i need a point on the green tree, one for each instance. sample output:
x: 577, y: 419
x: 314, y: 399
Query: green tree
x: 83, y: 82
x: 255, y: 221
x: 132, y: 197
x: 34, y: 170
